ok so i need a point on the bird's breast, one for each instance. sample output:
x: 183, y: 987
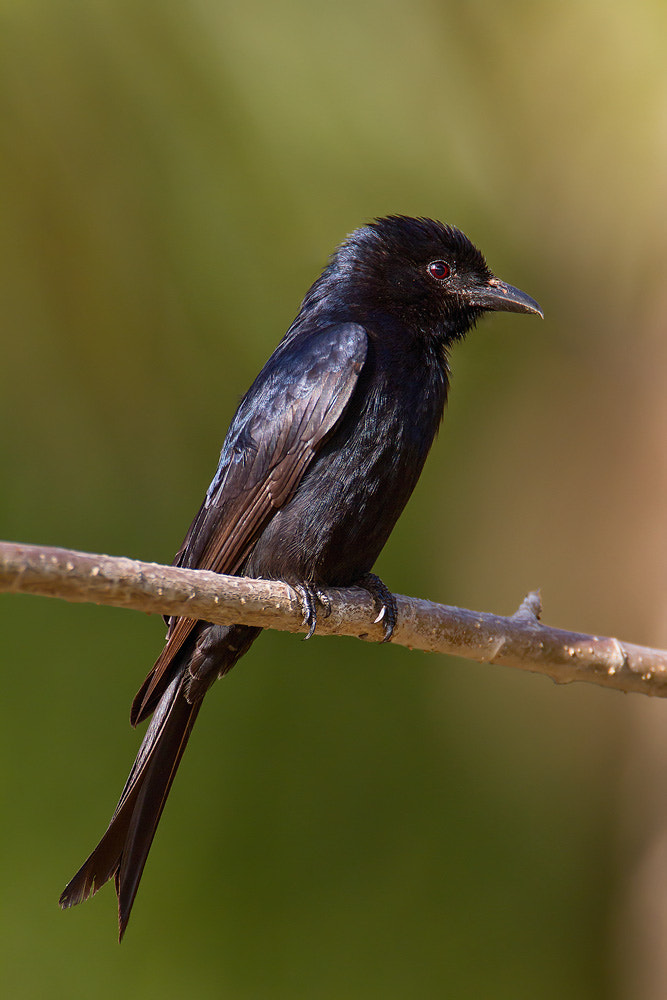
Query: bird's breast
x: 333, y: 528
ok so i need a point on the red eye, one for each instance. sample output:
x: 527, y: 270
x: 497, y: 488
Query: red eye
x: 439, y: 269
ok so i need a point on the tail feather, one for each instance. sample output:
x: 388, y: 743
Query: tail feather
x: 123, y: 850
x: 155, y: 787
x: 121, y: 854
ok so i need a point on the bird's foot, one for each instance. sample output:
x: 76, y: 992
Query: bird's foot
x: 384, y: 600
x: 310, y: 596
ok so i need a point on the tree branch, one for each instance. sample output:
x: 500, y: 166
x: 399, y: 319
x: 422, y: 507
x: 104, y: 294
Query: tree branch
x: 519, y: 641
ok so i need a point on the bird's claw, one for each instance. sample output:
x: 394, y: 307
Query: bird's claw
x: 384, y: 599
x: 310, y: 597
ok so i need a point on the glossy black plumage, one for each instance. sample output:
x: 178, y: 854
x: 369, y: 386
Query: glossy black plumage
x: 321, y: 457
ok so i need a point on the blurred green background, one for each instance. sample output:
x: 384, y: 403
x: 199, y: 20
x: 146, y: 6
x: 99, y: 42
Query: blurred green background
x: 349, y: 821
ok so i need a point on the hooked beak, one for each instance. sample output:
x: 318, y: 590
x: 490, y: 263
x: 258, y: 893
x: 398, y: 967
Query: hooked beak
x: 496, y: 296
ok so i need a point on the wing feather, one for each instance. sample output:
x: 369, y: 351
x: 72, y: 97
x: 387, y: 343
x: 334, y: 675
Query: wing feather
x: 290, y: 410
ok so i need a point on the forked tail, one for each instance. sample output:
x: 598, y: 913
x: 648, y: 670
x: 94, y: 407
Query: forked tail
x: 123, y: 849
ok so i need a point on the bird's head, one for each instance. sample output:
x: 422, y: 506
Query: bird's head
x: 425, y: 273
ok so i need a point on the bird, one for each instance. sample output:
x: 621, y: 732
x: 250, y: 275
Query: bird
x: 318, y: 463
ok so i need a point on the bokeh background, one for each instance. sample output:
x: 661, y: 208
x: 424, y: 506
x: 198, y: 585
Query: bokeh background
x: 349, y: 821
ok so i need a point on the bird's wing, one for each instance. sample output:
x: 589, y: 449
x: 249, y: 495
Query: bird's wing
x: 288, y: 413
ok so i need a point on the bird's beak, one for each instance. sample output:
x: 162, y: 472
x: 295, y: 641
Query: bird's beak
x: 496, y: 296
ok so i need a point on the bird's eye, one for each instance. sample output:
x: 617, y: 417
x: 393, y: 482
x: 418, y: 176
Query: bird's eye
x: 439, y: 269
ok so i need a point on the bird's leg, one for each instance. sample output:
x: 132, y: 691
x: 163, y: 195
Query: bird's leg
x: 310, y: 596
x: 384, y: 600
